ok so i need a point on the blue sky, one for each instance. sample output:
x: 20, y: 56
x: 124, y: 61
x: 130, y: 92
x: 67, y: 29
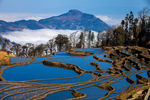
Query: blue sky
x: 108, y: 10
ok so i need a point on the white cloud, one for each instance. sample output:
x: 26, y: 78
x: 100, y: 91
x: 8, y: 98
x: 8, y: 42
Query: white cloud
x: 10, y: 17
x: 110, y: 20
x: 104, y: 18
x: 35, y: 36
x: 38, y: 36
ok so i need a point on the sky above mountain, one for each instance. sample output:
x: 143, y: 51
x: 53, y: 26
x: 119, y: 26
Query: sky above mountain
x: 110, y: 11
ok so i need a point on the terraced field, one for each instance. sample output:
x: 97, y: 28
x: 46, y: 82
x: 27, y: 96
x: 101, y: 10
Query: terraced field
x: 89, y: 74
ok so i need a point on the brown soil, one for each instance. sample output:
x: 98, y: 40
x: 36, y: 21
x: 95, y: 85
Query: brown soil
x: 5, y: 58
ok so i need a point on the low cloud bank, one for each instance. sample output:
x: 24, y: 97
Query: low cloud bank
x: 109, y: 20
x: 35, y: 36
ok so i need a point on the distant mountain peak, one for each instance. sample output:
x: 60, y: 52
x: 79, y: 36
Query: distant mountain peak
x: 74, y: 20
x: 76, y: 11
x: 73, y: 12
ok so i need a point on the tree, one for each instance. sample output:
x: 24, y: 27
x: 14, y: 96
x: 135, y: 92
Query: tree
x: 108, y: 38
x: 127, y: 29
x: 5, y: 44
x: 89, y: 39
x: 135, y: 33
x: 131, y: 19
x: 31, y: 52
x: 0, y: 43
x: 51, y: 45
x: 122, y: 23
x: 24, y: 51
x: 99, y: 39
x: 16, y: 48
x: 119, y: 34
x: 92, y: 37
x: 60, y: 40
x: 73, y: 39
x: 131, y: 22
x: 126, y: 22
x: 39, y: 50
x: 82, y: 40
x: 143, y: 18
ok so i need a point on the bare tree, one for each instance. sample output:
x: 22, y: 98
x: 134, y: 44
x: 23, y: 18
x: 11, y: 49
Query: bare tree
x: 5, y: 44
x: 16, y: 49
x: 73, y: 39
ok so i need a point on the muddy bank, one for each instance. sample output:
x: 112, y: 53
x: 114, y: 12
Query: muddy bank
x: 130, y: 80
x: 106, y: 87
x: 77, y: 95
x: 126, y: 58
x: 64, y: 65
x: 80, y: 53
x: 75, y: 68
x: 101, y: 60
x: 140, y: 53
x: 136, y: 93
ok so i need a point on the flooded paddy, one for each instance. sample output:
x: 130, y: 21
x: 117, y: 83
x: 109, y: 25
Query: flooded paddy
x: 100, y: 80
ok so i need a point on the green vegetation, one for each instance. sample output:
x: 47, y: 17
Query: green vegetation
x: 131, y: 32
x: 61, y: 40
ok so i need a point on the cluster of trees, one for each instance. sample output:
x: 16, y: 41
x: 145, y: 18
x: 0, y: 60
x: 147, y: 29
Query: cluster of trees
x: 32, y: 50
x: 4, y: 43
x: 85, y: 39
x: 77, y: 39
x: 132, y: 31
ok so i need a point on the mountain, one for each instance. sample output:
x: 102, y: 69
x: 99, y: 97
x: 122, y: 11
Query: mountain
x: 73, y: 20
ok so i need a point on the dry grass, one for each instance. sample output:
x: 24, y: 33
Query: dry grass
x: 5, y: 58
